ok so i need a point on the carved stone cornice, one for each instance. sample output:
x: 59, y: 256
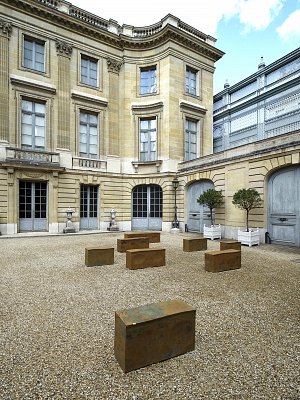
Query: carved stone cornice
x: 63, y: 48
x: 114, y: 65
x: 121, y: 41
x: 5, y: 28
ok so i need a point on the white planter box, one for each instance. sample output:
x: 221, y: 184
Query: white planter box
x: 249, y: 238
x: 212, y: 232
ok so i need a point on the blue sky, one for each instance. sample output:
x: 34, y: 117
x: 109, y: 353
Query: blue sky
x: 246, y: 30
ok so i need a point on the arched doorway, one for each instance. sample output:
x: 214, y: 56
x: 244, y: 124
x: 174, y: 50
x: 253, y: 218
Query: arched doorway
x: 198, y: 215
x: 147, y: 205
x: 284, y: 206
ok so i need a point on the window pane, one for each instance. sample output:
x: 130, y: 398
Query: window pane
x: 26, y: 105
x: 144, y: 124
x: 40, y: 121
x: 26, y: 119
x: 26, y: 140
x: 153, y: 124
x: 93, y: 119
x: 83, y: 117
x: 83, y: 138
x: 40, y: 108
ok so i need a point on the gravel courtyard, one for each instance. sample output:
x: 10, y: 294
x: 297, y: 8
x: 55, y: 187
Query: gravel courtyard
x: 57, y: 322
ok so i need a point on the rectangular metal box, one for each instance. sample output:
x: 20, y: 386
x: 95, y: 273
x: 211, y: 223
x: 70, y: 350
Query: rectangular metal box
x: 154, y: 332
x: 99, y: 256
x: 145, y: 258
x: 132, y: 243
x: 223, y: 260
x: 154, y: 237
x: 194, y: 244
x: 230, y: 244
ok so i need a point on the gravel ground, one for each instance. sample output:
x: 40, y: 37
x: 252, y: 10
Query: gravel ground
x: 57, y: 322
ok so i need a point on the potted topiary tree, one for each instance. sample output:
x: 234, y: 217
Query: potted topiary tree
x: 247, y: 199
x: 211, y: 198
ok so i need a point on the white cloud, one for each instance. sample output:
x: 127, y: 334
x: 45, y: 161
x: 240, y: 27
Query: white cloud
x: 290, y: 29
x: 257, y: 14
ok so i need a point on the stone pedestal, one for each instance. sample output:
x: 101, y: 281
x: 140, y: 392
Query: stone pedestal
x: 152, y: 333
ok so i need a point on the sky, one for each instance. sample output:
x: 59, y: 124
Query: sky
x: 246, y: 30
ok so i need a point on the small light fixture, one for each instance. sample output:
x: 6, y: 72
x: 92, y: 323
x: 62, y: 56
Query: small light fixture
x: 175, y: 183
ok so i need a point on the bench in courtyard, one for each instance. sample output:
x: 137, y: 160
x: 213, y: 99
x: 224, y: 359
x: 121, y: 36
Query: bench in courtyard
x: 194, y: 244
x: 152, y: 333
x: 99, y: 256
x: 132, y: 243
x: 222, y: 260
x: 154, y: 237
x: 145, y: 258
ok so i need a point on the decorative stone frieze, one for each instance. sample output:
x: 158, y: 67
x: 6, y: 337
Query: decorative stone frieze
x: 63, y: 48
x: 113, y: 65
x: 5, y: 28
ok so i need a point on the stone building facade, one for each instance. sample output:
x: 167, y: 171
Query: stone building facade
x: 96, y: 116
x: 256, y: 141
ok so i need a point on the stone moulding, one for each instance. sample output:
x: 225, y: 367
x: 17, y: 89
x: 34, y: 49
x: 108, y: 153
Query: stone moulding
x: 120, y: 41
x: 5, y: 28
x: 114, y: 65
x: 63, y: 48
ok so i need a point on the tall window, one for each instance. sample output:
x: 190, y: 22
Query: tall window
x: 148, y: 139
x: 88, y: 201
x: 88, y: 71
x: 88, y: 146
x: 33, y: 125
x: 191, y: 81
x: 34, y: 54
x: 190, y: 139
x: 148, y: 80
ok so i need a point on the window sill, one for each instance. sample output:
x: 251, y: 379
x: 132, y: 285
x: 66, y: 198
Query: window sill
x: 139, y: 164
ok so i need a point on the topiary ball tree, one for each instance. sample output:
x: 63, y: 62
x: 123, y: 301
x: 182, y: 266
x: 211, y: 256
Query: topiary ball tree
x: 247, y: 199
x: 211, y: 198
